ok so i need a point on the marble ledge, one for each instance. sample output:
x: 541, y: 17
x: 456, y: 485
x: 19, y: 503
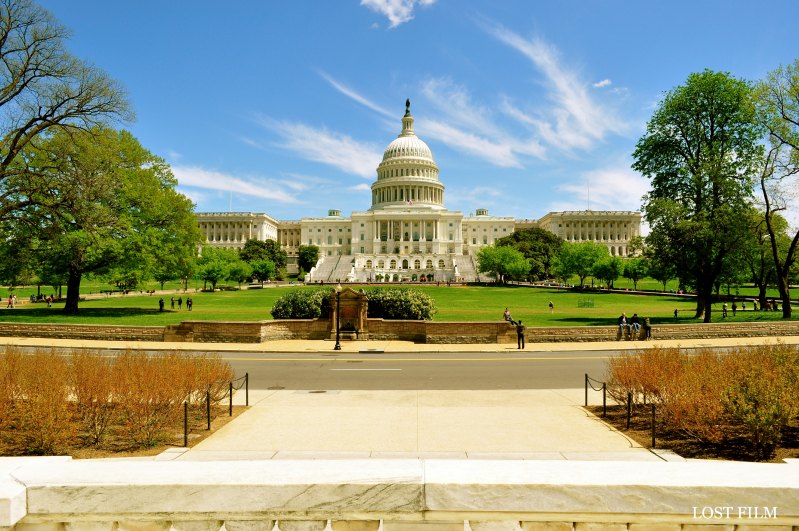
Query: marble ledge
x: 394, y: 489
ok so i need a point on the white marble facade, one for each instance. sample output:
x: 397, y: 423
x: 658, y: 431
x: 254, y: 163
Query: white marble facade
x: 408, y: 233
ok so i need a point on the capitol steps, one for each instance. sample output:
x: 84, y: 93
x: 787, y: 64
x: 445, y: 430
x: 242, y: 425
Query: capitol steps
x: 342, y: 269
x: 324, y: 269
x: 466, y: 268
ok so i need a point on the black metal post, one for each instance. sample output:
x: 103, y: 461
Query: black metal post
x: 586, y: 389
x: 247, y: 389
x: 208, y: 408
x: 653, y: 425
x: 338, y: 319
x: 185, y: 424
x: 604, y: 399
x: 230, y: 393
x: 629, y: 407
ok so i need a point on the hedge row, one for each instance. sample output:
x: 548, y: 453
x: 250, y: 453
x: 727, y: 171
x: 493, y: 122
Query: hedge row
x: 386, y: 303
x: 50, y: 403
x: 712, y: 396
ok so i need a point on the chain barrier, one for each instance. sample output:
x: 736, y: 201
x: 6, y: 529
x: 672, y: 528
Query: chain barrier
x: 603, y: 388
x: 243, y: 382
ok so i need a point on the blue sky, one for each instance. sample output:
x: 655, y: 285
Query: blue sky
x: 286, y: 107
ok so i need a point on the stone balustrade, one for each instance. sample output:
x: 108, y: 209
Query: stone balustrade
x: 399, y: 495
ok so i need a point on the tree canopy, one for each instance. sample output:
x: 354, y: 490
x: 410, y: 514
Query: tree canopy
x: 539, y: 246
x: 700, y: 150
x: 110, y: 206
x: 579, y: 259
x: 43, y: 90
x: 777, y: 100
x: 503, y: 263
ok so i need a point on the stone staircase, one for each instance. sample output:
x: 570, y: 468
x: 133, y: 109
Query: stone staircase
x: 324, y: 268
x: 342, y: 269
x: 466, y: 268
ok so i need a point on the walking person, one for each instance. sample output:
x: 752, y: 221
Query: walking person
x: 551, y: 307
x: 180, y: 302
x: 520, y: 328
x: 189, y: 303
x: 161, y: 304
x: 724, y: 310
x: 734, y: 308
x: 173, y: 302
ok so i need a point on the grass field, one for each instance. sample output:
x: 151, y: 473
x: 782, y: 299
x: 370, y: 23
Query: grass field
x: 456, y: 303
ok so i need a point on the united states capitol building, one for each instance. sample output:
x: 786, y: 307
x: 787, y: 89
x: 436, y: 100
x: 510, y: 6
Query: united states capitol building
x: 408, y: 234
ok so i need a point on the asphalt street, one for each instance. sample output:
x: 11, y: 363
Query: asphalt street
x: 420, y: 371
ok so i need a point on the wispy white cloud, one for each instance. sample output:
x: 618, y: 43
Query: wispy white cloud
x: 610, y: 188
x: 196, y: 177
x: 472, y: 144
x: 328, y: 147
x: 603, y: 83
x: 397, y: 11
x: 350, y: 93
x: 577, y: 119
x: 363, y: 187
x: 468, y: 127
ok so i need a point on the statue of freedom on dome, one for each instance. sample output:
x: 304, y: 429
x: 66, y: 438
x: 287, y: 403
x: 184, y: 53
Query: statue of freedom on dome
x: 407, y: 107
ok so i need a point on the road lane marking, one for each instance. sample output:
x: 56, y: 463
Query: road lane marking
x: 577, y: 358
x: 365, y: 369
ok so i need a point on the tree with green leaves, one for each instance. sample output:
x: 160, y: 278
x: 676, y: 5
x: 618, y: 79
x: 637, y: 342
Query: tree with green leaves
x: 700, y: 151
x: 215, y: 263
x: 307, y: 256
x: 43, y: 90
x: 777, y: 100
x: 239, y: 271
x: 503, y: 263
x: 110, y: 206
x: 634, y: 269
x: 608, y: 269
x: 263, y: 270
x: 255, y: 249
x: 539, y: 246
x: 579, y: 259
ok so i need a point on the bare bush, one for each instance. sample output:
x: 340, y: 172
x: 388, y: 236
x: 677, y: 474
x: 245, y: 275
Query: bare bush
x: 93, y: 388
x: 762, y: 395
x: 44, y: 413
x: 149, y: 400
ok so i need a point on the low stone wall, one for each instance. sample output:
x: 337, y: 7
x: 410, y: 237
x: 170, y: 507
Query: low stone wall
x: 80, y: 331
x: 434, y: 332
x: 56, y: 493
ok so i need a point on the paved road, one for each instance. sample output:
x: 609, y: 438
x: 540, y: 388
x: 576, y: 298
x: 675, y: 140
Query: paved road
x: 420, y: 371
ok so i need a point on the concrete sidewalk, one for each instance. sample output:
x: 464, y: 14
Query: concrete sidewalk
x: 504, y: 424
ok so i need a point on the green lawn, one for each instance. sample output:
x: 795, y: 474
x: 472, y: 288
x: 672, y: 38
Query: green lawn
x: 455, y: 303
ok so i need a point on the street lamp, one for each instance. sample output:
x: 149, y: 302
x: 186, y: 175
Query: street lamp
x: 338, y: 317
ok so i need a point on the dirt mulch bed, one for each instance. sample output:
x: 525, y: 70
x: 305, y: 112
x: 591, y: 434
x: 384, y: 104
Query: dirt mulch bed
x: 114, y: 447
x: 734, y: 448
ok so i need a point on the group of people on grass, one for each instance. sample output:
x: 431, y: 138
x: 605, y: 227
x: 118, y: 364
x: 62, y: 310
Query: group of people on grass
x: 189, y: 303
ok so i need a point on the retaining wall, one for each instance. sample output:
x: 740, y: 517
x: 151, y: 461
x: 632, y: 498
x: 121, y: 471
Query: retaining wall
x: 434, y: 332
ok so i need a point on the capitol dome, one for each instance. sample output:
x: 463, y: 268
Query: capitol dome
x: 408, y: 145
x: 408, y: 175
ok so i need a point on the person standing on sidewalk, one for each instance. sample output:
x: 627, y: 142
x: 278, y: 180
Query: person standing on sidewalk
x: 520, y: 328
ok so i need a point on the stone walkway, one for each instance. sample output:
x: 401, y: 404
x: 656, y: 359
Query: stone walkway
x: 511, y: 424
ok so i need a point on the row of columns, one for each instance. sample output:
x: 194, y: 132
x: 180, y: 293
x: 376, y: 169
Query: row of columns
x: 596, y: 232
x: 225, y: 231
x: 398, y: 226
x: 394, y: 194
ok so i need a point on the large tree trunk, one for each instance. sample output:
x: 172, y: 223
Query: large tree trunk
x: 73, y: 291
x: 761, y: 296
x: 785, y: 296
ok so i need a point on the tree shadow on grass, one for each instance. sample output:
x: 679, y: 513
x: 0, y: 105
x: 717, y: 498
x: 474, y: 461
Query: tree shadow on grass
x: 56, y: 313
